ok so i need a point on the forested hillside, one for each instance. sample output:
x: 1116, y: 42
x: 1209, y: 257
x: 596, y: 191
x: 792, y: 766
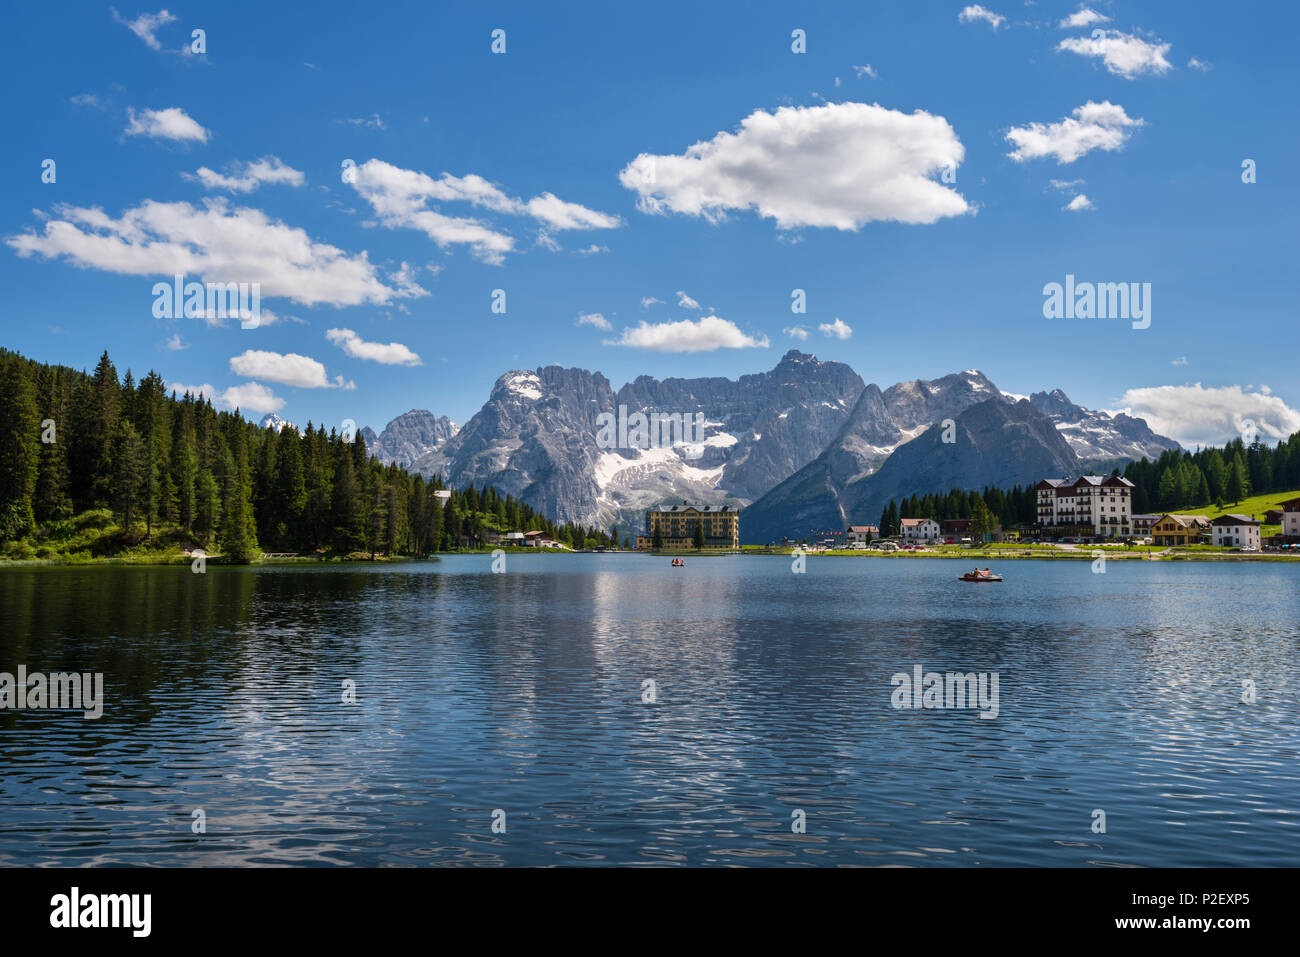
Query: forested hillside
x: 1177, y: 480
x: 93, y: 466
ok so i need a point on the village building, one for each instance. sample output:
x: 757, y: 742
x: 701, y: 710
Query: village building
x: 1099, y: 506
x: 957, y: 528
x: 862, y: 533
x: 1291, y: 520
x: 1170, y: 530
x: 919, y: 530
x: 1142, y: 525
x: 1235, y: 531
x: 677, y: 525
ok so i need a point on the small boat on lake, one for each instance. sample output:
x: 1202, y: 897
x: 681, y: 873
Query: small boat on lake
x: 679, y: 563
x: 980, y: 575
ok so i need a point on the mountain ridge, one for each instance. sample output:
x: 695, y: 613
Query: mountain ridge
x: 808, y: 426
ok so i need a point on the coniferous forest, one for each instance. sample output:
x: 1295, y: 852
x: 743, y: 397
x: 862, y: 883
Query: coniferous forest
x: 94, y: 466
x: 1177, y: 481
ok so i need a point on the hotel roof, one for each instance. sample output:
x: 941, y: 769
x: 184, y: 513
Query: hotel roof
x: 1233, y: 519
x: 1187, y: 520
x: 695, y: 508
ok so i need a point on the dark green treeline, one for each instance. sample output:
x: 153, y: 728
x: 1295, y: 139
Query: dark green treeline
x: 73, y: 442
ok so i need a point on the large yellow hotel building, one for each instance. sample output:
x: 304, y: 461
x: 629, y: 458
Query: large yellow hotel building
x: 677, y: 524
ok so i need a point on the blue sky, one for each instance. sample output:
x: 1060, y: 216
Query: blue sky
x: 519, y: 171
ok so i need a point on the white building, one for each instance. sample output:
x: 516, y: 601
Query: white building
x: 1291, y: 518
x: 862, y: 533
x: 920, y: 530
x: 1235, y: 531
x: 1101, y: 503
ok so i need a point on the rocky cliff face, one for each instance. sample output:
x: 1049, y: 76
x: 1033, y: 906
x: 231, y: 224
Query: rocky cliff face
x: 537, y: 437
x: 409, y: 436
x: 807, y: 443
x: 994, y: 443
x: 880, y: 422
x: 1097, y: 436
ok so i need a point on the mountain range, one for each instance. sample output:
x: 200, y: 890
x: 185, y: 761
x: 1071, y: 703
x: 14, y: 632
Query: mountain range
x: 806, y: 446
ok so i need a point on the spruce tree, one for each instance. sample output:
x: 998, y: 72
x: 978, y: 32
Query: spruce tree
x: 238, y: 530
x: 127, y: 487
x: 19, y: 449
x: 207, y: 507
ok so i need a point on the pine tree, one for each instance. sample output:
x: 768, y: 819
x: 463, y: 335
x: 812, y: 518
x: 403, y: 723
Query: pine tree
x: 207, y: 507
x: 981, y: 521
x: 1235, y: 488
x: 1202, y: 489
x: 185, y: 470
x: 128, y: 472
x: 699, y: 535
x: 287, y: 493
x: 19, y: 449
x: 50, y: 498
x: 375, y: 519
x: 348, y: 535
x: 238, y: 529
x: 104, y: 403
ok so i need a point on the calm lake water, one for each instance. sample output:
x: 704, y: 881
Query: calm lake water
x: 523, y: 692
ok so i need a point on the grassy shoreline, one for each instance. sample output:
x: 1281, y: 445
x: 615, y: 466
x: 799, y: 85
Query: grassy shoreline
x: 1049, y: 553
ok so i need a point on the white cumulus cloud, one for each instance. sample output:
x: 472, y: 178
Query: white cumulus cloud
x: 976, y: 12
x: 796, y: 332
x: 172, y: 123
x: 839, y: 329
x: 594, y: 319
x: 289, y: 368
x: 1124, y: 54
x: 840, y: 166
x: 1200, y: 415
x: 1093, y: 126
x: 1083, y: 17
x: 390, y: 354
x: 688, y: 335
x: 1078, y: 204
x: 401, y: 198
x: 559, y: 214
x: 246, y: 177
x: 146, y: 25
x: 213, y: 243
